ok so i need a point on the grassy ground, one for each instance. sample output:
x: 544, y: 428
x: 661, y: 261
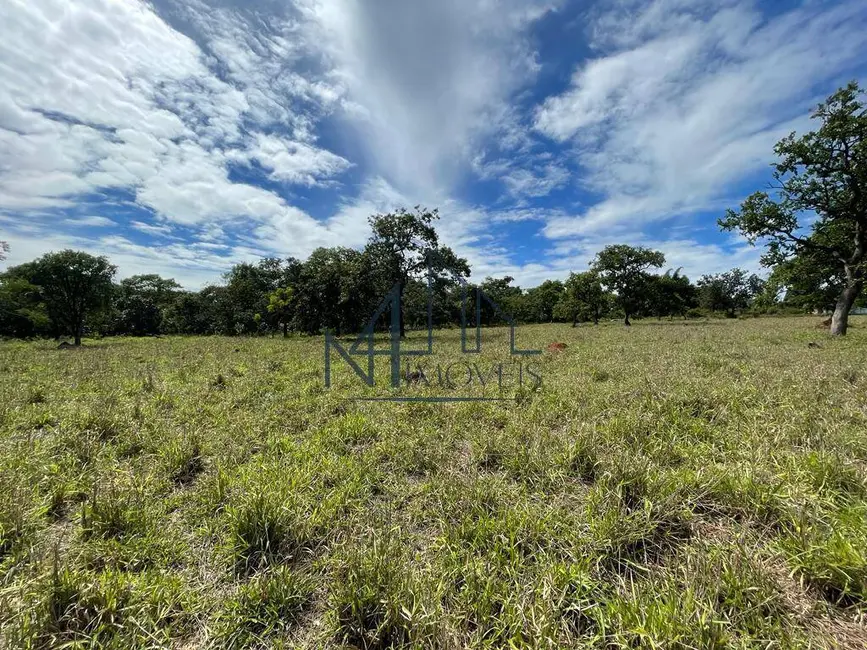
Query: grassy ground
x: 672, y: 485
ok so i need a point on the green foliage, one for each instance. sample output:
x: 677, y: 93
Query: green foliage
x: 268, y: 605
x: 74, y: 286
x: 670, y: 294
x: 141, y: 302
x: 405, y: 245
x: 622, y: 270
x: 540, y: 302
x: 583, y: 298
x: 334, y: 290
x: 507, y: 298
x: 823, y: 172
x: 729, y: 292
x: 22, y: 310
x: 280, y: 305
x: 338, y: 289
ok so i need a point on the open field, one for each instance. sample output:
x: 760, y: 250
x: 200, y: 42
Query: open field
x: 673, y: 485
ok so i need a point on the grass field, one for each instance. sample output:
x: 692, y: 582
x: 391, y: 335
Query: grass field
x: 671, y: 485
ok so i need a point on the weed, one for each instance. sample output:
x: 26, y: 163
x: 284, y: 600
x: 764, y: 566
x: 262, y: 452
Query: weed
x: 184, y: 460
x: 263, y: 532
x: 267, y: 605
x: 37, y: 395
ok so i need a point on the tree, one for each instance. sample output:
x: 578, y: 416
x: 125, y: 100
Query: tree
x: 405, y: 244
x: 4, y: 248
x: 822, y: 174
x: 22, y: 312
x: 501, y: 292
x: 810, y: 282
x: 74, y: 286
x: 141, y: 302
x: 280, y: 305
x: 335, y: 289
x: 583, y: 298
x: 623, y: 270
x: 191, y: 313
x: 542, y: 300
x: 670, y: 294
x: 730, y: 291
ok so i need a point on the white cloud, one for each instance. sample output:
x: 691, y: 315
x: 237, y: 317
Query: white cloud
x: 192, y: 265
x: 293, y: 162
x: 427, y: 80
x: 103, y: 95
x: 151, y: 228
x: 184, y: 109
x: 687, y: 99
x: 94, y: 221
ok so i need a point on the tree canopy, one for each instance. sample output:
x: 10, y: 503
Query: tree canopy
x: 818, y: 211
x: 730, y: 291
x: 74, y: 286
x: 623, y: 271
x: 405, y: 245
x: 339, y: 289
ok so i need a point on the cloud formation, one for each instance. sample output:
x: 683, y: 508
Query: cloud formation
x: 181, y: 137
x: 686, y: 99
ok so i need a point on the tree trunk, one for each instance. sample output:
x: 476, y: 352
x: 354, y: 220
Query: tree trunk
x: 840, y: 319
x: 626, y: 320
x: 78, y: 337
x: 285, y: 330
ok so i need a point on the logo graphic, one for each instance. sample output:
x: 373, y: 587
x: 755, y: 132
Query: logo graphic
x: 452, y: 376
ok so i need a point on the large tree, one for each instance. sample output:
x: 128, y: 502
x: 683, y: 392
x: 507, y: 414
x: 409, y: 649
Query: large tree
x: 509, y: 300
x: 583, y: 298
x: 623, y: 271
x: 74, y: 286
x: 810, y: 282
x: 541, y: 301
x: 280, y: 305
x: 22, y: 311
x: 822, y: 177
x: 405, y: 245
x: 334, y: 290
x: 248, y: 287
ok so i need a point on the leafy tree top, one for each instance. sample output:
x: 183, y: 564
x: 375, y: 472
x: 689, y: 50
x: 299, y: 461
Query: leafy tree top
x: 821, y: 177
x: 620, y: 265
x: 405, y: 242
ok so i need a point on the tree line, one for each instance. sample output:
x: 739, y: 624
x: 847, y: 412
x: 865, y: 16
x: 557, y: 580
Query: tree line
x: 72, y: 293
x: 813, y: 228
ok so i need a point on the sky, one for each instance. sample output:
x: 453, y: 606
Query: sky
x: 181, y: 137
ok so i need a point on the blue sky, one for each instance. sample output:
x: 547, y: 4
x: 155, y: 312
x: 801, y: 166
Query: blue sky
x: 182, y: 137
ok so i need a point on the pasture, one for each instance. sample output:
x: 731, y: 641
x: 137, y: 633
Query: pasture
x: 670, y: 485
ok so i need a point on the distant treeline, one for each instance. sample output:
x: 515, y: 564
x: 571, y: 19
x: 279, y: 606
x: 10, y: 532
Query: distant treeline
x: 73, y: 293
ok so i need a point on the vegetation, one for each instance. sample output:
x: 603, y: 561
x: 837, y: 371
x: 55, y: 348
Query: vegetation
x: 623, y: 271
x: 338, y: 289
x: 822, y: 173
x: 679, y: 484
